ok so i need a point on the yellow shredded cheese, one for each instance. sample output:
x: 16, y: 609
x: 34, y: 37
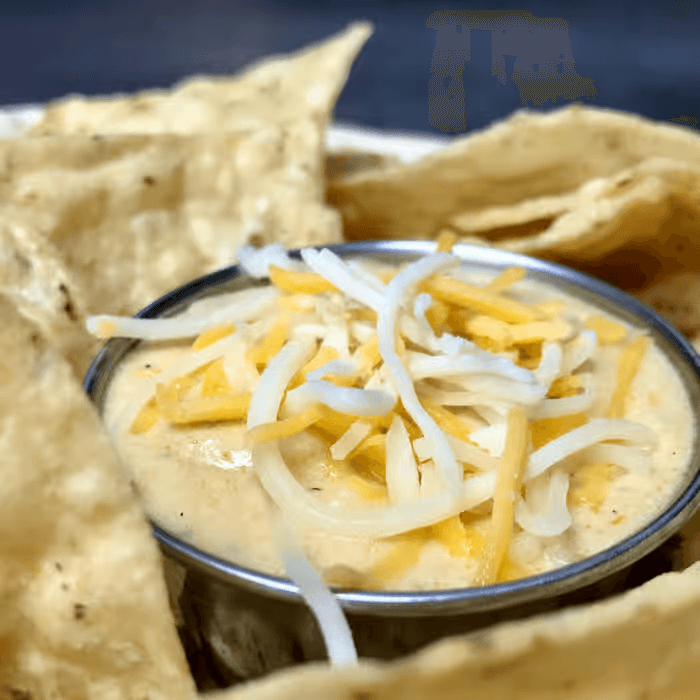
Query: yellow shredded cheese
x: 549, y: 309
x: 547, y: 429
x: 565, y: 386
x: 206, y: 409
x: 299, y: 282
x: 373, y: 448
x: 398, y: 561
x: 147, y: 417
x: 450, y: 422
x: 446, y: 241
x: 437, y: 315
x: 508, y: 277
x: 272, y: 342
x: 607, y: 330
x: 511, y: 570
x: 214, y: 380
x: 287, y: 427
x: 629, y: 364
x: 504, y: 335
x: 176, y: 389
x: 478, y: 299
x: 334, y: 424
x: 211, y: 335
x: 325, y: 354
x: 590, y: 484
x: 489, y: 333
x: 461, y: 542
x: 539, y: 331
x: 369, y: 355
x: 500, y: 533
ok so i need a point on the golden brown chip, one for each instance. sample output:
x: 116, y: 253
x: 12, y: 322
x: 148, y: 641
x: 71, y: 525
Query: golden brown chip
x: 527, y: 156
x: 83, y: 605
x: 115, y: 212
x: 44, y: 291
x: 135, y: 215
x: 640, y: 645
x: 298, y: 87
x: 677, y: 297
x: 629, y: 208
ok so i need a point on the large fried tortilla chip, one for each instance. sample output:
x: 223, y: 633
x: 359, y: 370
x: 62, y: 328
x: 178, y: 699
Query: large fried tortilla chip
x: 272, y: 180
x: 601, y: 216
x: 302, y: 86
x: 116, y: 210
x: 140, y: 194
x: 44, y: 291
x: 83, y: 606
x: 528, y: 155
x: 643, y: 644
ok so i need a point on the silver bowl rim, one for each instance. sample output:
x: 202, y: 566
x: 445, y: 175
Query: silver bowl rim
x: 465, y: 600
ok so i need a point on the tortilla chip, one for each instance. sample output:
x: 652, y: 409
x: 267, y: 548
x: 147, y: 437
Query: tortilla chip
x: 44, y: 291
x: 115, y: 212
x: 303, y: 86
x: 606, y: 214
x: 642, y: 644
x: 528, y: 155
x: 83, y: 606
x: 134, y: 216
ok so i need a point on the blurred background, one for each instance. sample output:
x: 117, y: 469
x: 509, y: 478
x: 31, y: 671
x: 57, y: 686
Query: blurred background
x: 430, y: 67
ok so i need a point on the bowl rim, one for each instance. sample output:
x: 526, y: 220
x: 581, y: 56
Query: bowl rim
x: 464, y: 600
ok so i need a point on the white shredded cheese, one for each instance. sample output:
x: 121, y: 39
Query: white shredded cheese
x: 256, y: 261
x: 553, y: 408
x: 401, y: 470
x: 359, y: 402
x: 596, y: 430
x: 445, y: 461
x: 325, y: 607
x: 344, y: 277
x: 243, y: 308
x: 350, y: 439
x: 543, y: 512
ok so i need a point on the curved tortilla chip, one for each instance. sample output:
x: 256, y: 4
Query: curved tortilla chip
x: 643, y: 644
x: 83, y: 606
x: 526, y: 156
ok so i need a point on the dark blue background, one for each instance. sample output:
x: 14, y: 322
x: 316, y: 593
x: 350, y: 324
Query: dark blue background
x: 641, y: 56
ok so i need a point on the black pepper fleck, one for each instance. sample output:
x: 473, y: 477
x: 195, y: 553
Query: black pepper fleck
x: 79, y: 611
x: 68, y: 306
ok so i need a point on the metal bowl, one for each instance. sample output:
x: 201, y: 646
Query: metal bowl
x: 387, y: 623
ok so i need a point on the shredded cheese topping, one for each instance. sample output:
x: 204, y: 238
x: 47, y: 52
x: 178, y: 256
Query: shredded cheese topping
x: 450, y: 402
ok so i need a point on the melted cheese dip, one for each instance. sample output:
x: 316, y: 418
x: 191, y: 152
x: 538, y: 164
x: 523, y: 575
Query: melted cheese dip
x: 199, y: 483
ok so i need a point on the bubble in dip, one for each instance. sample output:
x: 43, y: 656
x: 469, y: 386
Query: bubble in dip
x: 453, y: 440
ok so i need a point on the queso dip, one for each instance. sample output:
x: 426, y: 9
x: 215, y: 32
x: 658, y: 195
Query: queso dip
x: 435, y: 428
